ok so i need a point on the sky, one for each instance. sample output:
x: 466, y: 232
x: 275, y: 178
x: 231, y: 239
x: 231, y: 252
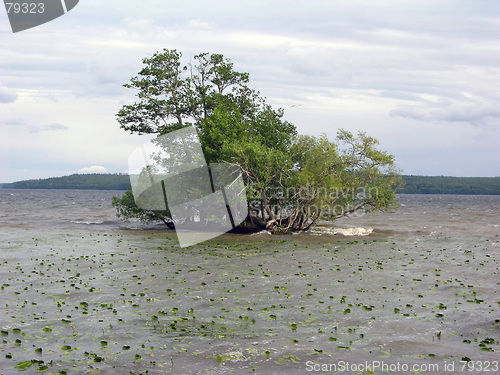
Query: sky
x: 422, y: 77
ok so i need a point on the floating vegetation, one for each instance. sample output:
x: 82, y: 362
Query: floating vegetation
x: 100, y: 302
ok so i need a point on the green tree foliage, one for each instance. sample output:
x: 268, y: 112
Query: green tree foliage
x: 127, y: 209
x: 292, y: 181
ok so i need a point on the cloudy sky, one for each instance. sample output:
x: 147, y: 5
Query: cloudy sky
x: 421, y: 76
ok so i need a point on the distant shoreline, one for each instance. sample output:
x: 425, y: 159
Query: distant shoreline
x: 413, y: 184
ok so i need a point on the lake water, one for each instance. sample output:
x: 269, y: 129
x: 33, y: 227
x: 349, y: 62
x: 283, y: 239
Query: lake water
x: 413, y: 289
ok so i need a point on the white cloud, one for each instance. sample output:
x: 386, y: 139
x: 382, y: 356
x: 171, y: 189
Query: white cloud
x: 389, y: 68
x: 7, y: 95
x: 48, y: 128
x: 138, y: 23
x: 14, y: 122
x: 93, y: 169
x: 198, y: 24
x: 458, y: 111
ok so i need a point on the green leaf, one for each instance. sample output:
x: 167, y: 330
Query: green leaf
x: 25, y: 365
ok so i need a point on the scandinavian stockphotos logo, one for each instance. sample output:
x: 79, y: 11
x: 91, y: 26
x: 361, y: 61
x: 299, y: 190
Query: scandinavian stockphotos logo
x: 25, y: 14
x: 170, y: 173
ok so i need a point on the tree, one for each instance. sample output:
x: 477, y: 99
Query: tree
x: 127, y: 209
x: 292, y: 180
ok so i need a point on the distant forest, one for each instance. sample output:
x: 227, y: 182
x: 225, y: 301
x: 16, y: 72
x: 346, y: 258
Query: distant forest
x: 94, y: 181
x: 451, y: 185
x: 413, y: 184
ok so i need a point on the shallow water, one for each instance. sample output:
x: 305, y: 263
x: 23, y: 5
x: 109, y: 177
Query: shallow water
x: 100, y: 296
